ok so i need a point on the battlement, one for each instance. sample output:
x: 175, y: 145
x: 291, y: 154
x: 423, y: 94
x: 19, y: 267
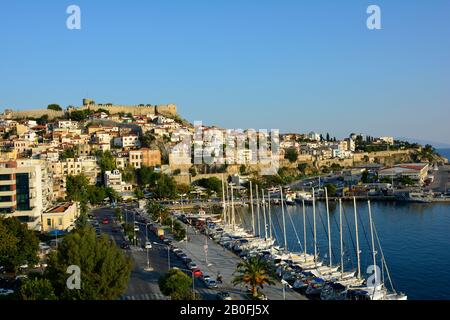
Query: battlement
x: 88, y: 104
x: 141, y: 109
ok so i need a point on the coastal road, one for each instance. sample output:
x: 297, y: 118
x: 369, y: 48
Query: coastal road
x: 223, y: 261
x: 142, y: 285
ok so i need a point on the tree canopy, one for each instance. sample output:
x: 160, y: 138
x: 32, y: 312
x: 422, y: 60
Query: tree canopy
x: 18, y: 245
x: 213, y: 184
x: 176, y: 284
x: 106, y: 161
x: 254, y: 272
x: 105, y: 269
x: 36, y: 289
x: 291, y: 155
x: 54, y: 106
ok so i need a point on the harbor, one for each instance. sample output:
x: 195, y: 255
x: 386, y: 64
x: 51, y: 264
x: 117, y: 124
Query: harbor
x: 308, y: 273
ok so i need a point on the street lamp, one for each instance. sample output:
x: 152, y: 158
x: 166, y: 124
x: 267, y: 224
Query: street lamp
x: 285, y: 283
x: 168, y: 252
x: 148, y: 268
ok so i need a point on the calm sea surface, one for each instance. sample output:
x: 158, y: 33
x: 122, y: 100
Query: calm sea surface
x: 415, y: 239
x: 444, y: 152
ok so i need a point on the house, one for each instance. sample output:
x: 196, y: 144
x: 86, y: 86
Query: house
x: 127, y: 141
x: 61, y: 217
x: 113, y: 179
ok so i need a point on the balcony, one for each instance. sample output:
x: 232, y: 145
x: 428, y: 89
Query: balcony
x: 7, y: 193
x: 7, y: 182
x: 8, y: 204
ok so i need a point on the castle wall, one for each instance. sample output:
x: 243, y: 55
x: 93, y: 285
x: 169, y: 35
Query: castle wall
x: 23, y: 114
x: 169, y: 109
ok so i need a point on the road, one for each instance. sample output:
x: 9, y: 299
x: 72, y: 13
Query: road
x: 220, y: 260
x: 143, y: 285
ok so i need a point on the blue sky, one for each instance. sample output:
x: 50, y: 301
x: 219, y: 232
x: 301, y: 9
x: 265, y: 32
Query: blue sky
x: 293, y: 65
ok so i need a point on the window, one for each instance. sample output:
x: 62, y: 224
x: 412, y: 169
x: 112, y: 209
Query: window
x: 60, y: 221
x: 23, y: 191
x: 5, y: 188
x: 49, y: 222
x: 6, y: 199
x: 5, y: 177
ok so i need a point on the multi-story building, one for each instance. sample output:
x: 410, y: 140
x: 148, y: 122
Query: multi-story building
x: 113, y: 179
x: 127, y: 141
x: 22, y: 192
x: 135, y: 159
x: 151, y: 158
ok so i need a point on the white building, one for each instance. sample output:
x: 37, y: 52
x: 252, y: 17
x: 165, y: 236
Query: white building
x: 128, y: 141
x: 388, y: 140
x: 113, y: 179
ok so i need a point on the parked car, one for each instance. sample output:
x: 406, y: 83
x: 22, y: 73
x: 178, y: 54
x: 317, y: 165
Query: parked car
x: 148, y: 245
x: 224, y: 295
x: 197, y: 273
x: 5, y: 292
x: 23, y: 266
x: 211, y: 283
x: 125, y: 245
x: 187, y: 260
x: 105, y: 221
x: 192, y: 265
x: 205, y: 277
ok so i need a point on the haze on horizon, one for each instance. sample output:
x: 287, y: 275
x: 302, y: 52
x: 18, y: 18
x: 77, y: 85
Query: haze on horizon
x: 293, y: 65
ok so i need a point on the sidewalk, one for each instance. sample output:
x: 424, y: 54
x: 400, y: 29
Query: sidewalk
x: 220, y: 260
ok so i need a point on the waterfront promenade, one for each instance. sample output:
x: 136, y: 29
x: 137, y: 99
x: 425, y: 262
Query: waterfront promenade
x: 220, y: 260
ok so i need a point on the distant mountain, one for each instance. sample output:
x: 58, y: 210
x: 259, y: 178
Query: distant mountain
x: 437, y: 145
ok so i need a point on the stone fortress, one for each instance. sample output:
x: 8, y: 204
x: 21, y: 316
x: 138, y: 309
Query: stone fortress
x: 88, y: 104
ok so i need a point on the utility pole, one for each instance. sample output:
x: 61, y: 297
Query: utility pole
x: 258, y: 212
x: 252, y: 209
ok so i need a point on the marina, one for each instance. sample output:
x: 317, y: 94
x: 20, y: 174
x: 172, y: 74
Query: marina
x: 409, y: 234
x: 312, y: 274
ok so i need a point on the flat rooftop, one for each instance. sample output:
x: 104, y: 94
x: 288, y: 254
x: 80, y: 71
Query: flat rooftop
x: 60, y: 208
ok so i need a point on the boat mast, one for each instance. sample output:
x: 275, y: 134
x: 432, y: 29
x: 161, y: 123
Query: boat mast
x: 304, y: 226
x: 314, y: 224
x: 232, y: 208
x: 258, y: 212
x: 270, y: 215
x: 284, y: 221
x: 253, y: 211
x: 374, y: 254
x: 329, y: 229
x: 342, y: 242
x: 224, y: 201
x: 357, y: 239
x: 228, y: 218
x: 264, y: 214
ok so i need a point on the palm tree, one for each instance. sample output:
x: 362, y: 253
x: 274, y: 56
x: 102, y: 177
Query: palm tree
x: 255, y: 272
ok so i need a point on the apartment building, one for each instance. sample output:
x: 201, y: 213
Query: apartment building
x: 22, y: 192
x: 127, y: 141
x: 113, y: 179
